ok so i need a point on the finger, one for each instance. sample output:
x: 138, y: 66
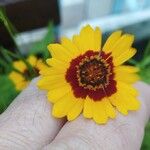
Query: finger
x: 125, y: 132
x: 27, y: 123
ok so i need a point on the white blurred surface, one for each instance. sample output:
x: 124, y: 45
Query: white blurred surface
x: 109, y: 15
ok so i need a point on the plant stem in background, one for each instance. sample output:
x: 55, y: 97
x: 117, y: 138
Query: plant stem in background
x: 9, y: 27
x: 11, y: 30
x: 147, y: 50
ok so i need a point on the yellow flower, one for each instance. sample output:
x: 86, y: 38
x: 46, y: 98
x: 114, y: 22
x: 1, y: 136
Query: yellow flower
x: 84, y: 77
x: 22, y: 79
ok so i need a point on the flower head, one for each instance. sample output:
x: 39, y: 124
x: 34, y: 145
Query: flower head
x: 84, y: 77
x: 22, y: 78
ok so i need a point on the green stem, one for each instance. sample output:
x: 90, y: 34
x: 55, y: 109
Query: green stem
x: 145, y: 61
x: 7, y: 25
x: 6, y: 56
x: 147, y: 51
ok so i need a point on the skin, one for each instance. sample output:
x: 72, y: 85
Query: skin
x: 28, y: 125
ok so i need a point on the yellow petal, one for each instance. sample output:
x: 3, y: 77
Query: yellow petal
x: 111, y: 41
x: 55, y: 94
x: 51, y: 83
x: 40, y: 65
x: 18, y: 80
x: 75, y: 110
x: 117, y: 101
x: 57, y: 64
x: 126, y: 77
x: 32, y: 60
x: 131, y: 102
x: 122, y: 45
x: 52, y: 78
x: 126, y: 74
x: 63, y: 106
x: 128, y: 69
x: 124, y: 103
x: 88, y: 108
x: 59, y: 52
x: 97, y: 39
x: 124, y: 56
x: 70, y: 46
x: 22, y: 85
x: 20, y: 65
x: 88, y: 39
x: 16, y: 77
x: 50, y: 71
x: 121, y: 86
x: 110, y: 111
x: 125, y: 98
x: 99, y: 113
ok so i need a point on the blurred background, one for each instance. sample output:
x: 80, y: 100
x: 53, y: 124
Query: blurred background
x: 30, y: 17
x: 35, y: 23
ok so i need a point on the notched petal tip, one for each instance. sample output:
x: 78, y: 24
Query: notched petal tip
x: 70, y: 118
x: 52, y: 47
x: 56, y: 113
x: 116, y: 33
x: 100, y: 121
x: 63, y: 38
x: 87, y: 29
x: 49, y: 47
x: 123, y: 112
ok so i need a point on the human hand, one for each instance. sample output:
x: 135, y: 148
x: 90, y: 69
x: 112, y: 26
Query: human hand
x: 28, y: 125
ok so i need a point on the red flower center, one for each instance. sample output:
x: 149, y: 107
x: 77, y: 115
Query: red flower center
x: 91, y: 74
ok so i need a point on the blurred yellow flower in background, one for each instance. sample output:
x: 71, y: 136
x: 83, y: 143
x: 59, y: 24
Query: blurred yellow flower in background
x: 22, y: 78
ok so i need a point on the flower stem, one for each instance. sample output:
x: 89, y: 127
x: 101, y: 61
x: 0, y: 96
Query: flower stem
x: 9, y: 27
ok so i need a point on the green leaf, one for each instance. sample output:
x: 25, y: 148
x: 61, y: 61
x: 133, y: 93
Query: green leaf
x: 146, y: 143
x: 5, y: 55
x: 144, y: 65
x: 40, y: 48
x: 147, y: 51
x: 5, y: 20
x: 12, y: 31
x: 7, y: 92
x: 145, y: 62
x: 145, y: 74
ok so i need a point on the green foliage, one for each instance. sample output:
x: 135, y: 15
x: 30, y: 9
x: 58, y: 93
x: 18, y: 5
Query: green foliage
x: 144, y: 65
x: 7, y: 92
x: 7, y: 89
x: 6, y: 60
x: 147, y: 51
x: 40, y: 48
x: 146, y: 141
x: 144, y: 73
x: 7, y: 23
